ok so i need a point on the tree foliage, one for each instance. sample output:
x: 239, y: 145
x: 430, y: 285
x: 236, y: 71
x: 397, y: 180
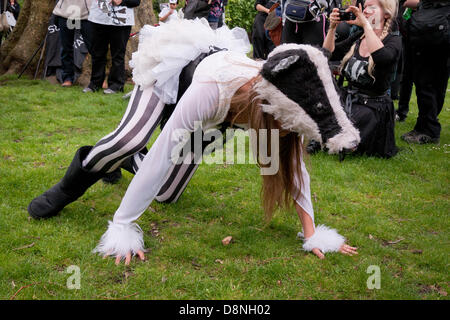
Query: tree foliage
x: 240, y: 13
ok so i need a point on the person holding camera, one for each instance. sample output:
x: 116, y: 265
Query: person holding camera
x: 111, y: 22
x: 368, y: 59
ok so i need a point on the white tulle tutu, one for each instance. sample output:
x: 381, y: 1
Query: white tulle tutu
x: 165, y: 50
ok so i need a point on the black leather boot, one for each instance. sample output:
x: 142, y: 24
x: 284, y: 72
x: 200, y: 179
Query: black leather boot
x: 72, y: 186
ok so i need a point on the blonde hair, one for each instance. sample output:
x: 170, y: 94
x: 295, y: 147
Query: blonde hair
x: 390, y: 8
x: 279, y: 189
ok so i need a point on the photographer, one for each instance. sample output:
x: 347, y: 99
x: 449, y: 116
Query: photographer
x: 111, y: 22
x: 71, y: 15
x: 368, y: 59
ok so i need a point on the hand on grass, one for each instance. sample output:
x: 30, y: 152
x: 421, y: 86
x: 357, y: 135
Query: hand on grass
x: 140, y: 253
x: 344, y: 249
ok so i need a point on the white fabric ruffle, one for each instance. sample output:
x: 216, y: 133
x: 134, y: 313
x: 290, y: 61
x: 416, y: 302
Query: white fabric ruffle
x: 165, y: 50
x: 324, y: 238
x: 121, y: 239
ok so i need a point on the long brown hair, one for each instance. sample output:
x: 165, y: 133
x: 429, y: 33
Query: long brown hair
x: 278, y: 189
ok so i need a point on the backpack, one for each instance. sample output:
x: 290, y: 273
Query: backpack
x: 430, y: 26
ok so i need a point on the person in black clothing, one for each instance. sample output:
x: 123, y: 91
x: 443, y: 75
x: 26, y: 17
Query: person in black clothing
x: 14, y: 7
x: 368, y: 59
x: 262, y: 45
x: 110, y: 27
x: 430, y: 75
x: 309, y: 32
x: 405, y: 66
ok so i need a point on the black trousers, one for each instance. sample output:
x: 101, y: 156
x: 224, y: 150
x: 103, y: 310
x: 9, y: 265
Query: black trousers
x: 406, y: 80
x: 312, y: 32
x: 116, y: 38
x: 262, y: 45
x: 67, y: 35
x: 430, y: 75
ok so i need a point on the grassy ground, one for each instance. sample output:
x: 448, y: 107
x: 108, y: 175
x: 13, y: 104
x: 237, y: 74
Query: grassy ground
x: 396, y: 211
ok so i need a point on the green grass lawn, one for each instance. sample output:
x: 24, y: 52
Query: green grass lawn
x: 395, y: 211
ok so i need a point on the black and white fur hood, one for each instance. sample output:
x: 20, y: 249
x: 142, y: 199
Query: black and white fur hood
x: 300, y: 93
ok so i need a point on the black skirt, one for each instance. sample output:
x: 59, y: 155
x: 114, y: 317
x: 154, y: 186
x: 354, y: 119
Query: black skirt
x: 374, y: 117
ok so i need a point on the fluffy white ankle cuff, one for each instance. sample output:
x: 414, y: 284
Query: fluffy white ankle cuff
x: 324, y: 238
x: 120, y: 239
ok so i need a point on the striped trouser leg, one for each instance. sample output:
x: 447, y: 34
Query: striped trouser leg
x: 140, y: 120
x: 181, y: 173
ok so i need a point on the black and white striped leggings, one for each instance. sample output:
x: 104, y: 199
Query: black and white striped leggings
x: 140, y: 120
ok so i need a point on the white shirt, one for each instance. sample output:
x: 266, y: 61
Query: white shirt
x: 102, y: 12
x: 171, y: 17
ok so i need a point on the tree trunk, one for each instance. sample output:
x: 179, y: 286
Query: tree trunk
x: 31, y: 29
x: 26, y: 37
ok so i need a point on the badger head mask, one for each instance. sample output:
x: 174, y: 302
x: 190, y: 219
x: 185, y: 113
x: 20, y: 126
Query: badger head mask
x: 298, y: 87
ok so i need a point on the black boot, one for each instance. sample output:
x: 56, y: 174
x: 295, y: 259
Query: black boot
x: 127, y: 164
x: 112, y: 177
x: 72, y: 186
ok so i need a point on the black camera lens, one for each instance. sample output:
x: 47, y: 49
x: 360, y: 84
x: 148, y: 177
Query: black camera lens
x: 346, y: 16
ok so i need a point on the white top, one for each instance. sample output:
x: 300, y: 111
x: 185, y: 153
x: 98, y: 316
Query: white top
x: 173, y: 16
x: 102, y: 12
x: 230, y: 70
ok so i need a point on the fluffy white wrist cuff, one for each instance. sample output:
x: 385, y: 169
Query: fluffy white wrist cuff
x: 324, y: 238
x: 120, y: 239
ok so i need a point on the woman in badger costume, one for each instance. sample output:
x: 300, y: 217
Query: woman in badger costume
x: 292, y: 91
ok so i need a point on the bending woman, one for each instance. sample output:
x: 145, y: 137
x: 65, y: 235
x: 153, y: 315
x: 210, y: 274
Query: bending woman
x: 226, y: 86
x: 368, y: 59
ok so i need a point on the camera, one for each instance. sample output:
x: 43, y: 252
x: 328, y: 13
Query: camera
x: 346, y: 16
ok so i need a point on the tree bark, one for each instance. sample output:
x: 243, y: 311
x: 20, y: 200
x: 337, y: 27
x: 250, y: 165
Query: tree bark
x: 31, y: 29
x: 26, y: 37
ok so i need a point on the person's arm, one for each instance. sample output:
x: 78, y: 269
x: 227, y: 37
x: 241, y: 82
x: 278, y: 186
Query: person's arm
x: 389, y: 53
x: 339, y: 49
x: 411, y: 4
x: 328, y: 43
x: 373, y: 42
x: 164, y: 15
x: 124, y: 237
x: 321, y: 239
x: 260, y: 7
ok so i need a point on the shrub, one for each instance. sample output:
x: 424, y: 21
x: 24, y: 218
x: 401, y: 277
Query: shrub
x: 240, y: 13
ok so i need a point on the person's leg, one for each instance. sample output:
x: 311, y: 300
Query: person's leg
x: 86, y: 33
x: 118, y: 44
x: 90, y: 164
x: 258, y: 38
x: 140, y: 120
x: 213, y: 24
x: 291, y: 33
x: 314, y: 32
x: 99, y: 45
x: 66, y: 36
x: 430, y: 77
x: 406, y: 82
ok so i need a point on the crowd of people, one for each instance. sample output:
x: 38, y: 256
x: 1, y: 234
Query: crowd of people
x: 105, y: 26
x: 330, y: 77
